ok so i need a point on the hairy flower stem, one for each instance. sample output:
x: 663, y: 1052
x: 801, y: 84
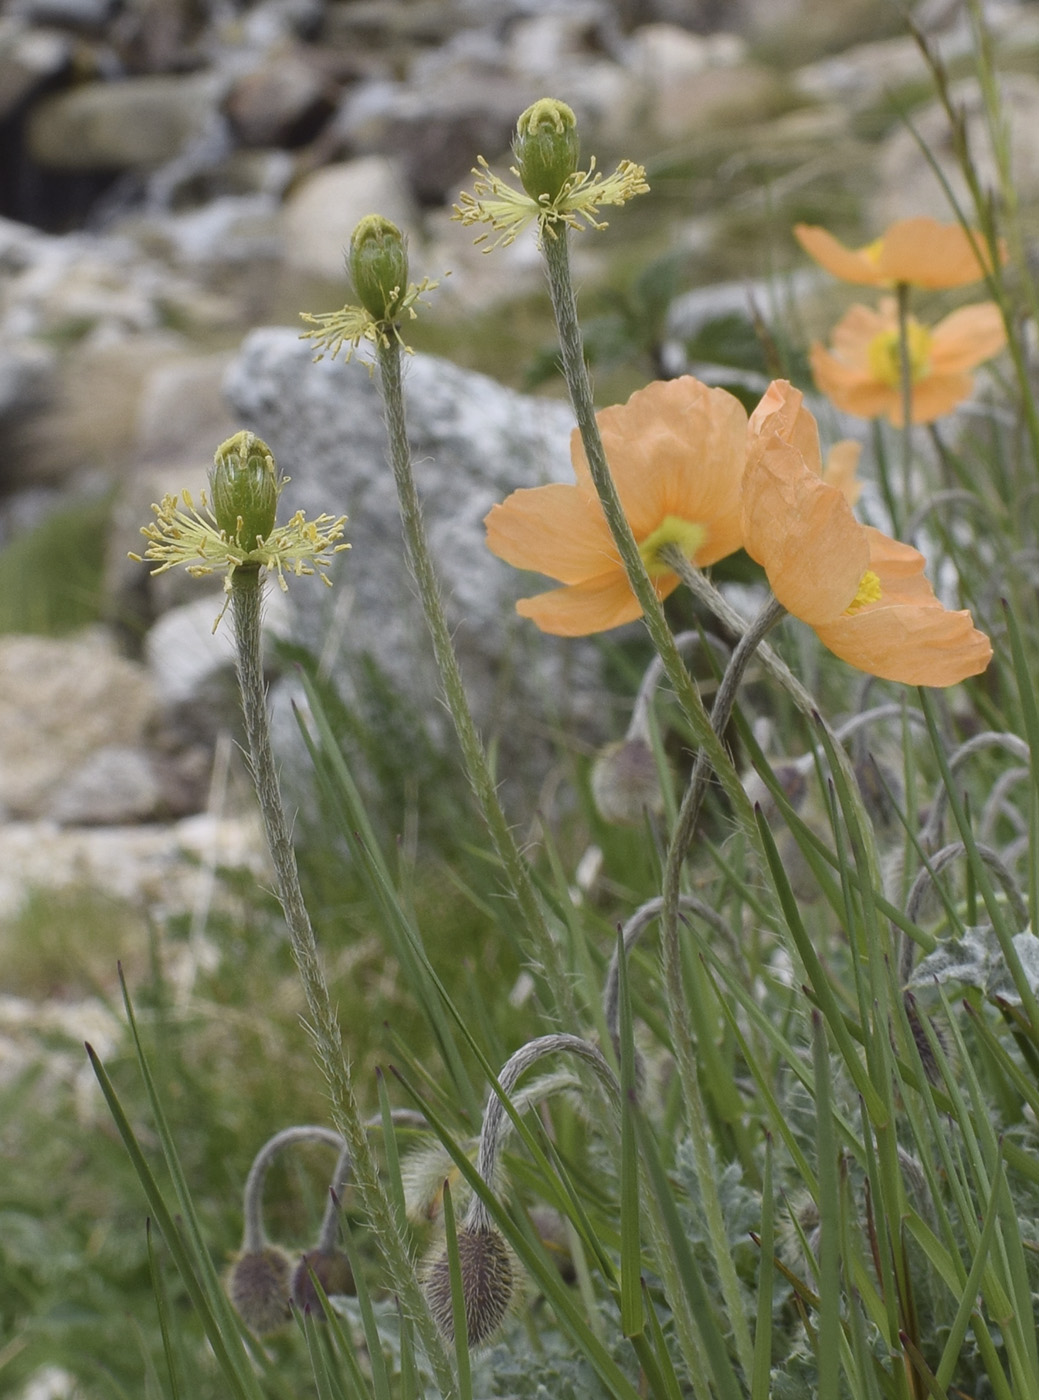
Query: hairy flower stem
x: 550, y: 971
x: 564, y: 304
x: 726, y: 614
x: 246, y: 608
x: 680, y: 1019
x: 905, y: 370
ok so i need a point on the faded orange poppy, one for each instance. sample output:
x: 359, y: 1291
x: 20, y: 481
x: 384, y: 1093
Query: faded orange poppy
x: 861, y: 373
x: 676, y: 451
x: 918, y: 251
x: 865, y: 595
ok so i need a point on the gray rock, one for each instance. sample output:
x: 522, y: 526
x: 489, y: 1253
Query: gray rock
x: 473, y: 442
x: 908, y: 184
x: 134, y: 124
x: 28, y: 375
x: 28, y: 57
x: 321, y: 212
x: 61, y: 700
x: 115, y: 786
x: 76, y: 14
x: 281, y: 101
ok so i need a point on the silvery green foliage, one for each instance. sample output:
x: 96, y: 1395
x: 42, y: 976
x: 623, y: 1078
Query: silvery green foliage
x: 976, y: 960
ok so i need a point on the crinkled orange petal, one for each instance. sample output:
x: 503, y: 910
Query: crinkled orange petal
x: 848, y: 264
x: 910, y: 643
x: 899, y: 567
x: 555, y: 530
x: 676, y: 448
x: 803, y: 534
x: 595, y: 605
x: 967, y: 337
x: 842, y: 463
x: 781, y: 413
x: 932, y: 254
x: 907, y: 635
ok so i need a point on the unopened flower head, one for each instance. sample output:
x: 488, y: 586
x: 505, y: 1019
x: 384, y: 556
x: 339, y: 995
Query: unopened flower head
x: 554, y: 191
x: 547, y: 148
x: 258, y: 1286
x: 332, y: 1270
x: 378, y: 264
x: 234, y: 532
x: 244, y: 483
x: 489, y: 1280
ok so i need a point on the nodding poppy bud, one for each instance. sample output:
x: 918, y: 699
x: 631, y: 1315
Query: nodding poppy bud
x: 626, y: 783
x: 332, y: 1270
x: 378, y: 263
x: 258, y: 1286
x: 488, y: 1284
x: 547, y: 148
x: 244, y: 485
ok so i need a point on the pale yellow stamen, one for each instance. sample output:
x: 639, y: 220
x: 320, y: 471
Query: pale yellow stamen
x: 869, y: 591
x: 687, y: 535
x: 873, y: 250
x: 885, y: 359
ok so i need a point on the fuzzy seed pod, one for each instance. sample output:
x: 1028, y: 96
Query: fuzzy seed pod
x: 332, y: 1270
x: 258, y: 1286
x: 547, y: 148
x: 626, y: 783
x: 488, y: 1284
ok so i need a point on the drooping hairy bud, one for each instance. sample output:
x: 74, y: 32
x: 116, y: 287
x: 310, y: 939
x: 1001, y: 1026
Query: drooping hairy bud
x: 258, y: 1286
x: 378, y: 262
x: 488, y: 1284
x: 332, y: 1270
x: 626, y: 783
x: 244, y: 485
x: 546, y: 147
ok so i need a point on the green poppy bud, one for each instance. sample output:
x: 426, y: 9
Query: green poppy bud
x: 378, y: 263
x: 244, y: 485
x: 547, y: 148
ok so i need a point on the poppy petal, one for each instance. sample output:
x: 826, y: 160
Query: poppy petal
x: 849, y: 264
x: 595, y: 605
x: 910, y: 643
x: 555, y: 530
x: 803, y: 533
x: 931, y: 254
x: 967, y: 337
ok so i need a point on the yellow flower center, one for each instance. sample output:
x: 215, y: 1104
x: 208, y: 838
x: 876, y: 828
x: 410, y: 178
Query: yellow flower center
x: 885, y: 359
x: 873, y: 250
x: 686, y: 535
x: 869, y: 591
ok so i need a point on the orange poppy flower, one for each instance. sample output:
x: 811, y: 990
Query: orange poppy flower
x: 862, y: 374
x: 864, y: 594
x: 676, y: 451
x: 919, y: 251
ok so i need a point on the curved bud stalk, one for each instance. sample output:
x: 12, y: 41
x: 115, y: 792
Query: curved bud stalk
x: 489, y: 1271
x: 261, y: 1282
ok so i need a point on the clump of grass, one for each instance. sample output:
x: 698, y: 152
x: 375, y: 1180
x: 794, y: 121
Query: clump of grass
x: 35, y: 596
